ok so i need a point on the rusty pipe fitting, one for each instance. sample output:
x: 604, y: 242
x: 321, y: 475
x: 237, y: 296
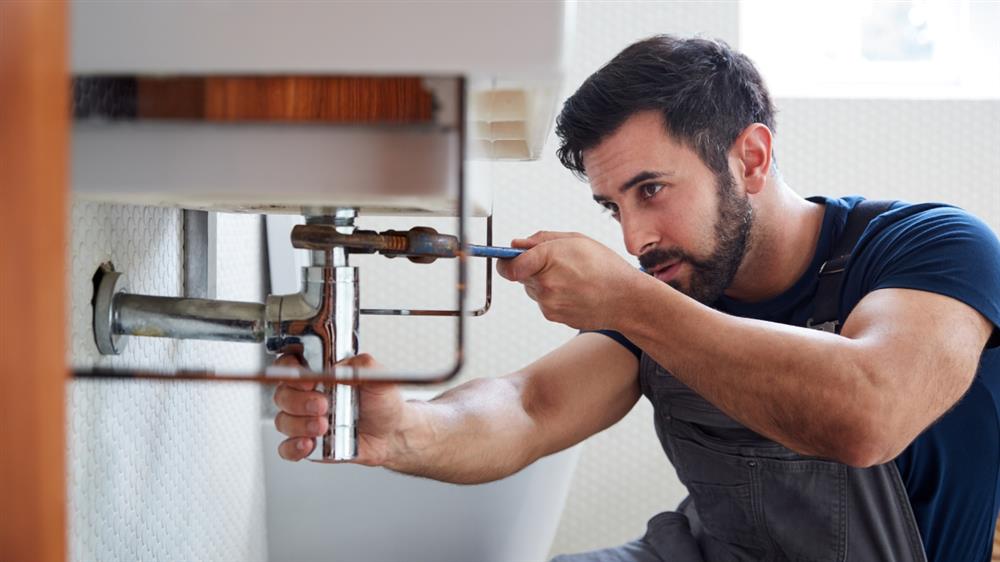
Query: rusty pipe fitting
x: 420, y: 244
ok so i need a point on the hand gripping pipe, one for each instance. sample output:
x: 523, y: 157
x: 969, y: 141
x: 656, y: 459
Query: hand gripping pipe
x: 326, y: 331
x: 320, y: 324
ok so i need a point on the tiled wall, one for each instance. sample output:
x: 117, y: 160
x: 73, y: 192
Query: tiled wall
x: 162, y: 470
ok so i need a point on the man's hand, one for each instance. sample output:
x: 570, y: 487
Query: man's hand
x: 575, y: 280
x: 303, y: 415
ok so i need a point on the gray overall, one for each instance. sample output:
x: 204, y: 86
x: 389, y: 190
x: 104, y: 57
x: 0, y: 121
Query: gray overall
x: 751, y: 498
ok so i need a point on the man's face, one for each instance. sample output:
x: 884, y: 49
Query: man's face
x: 689, y: 227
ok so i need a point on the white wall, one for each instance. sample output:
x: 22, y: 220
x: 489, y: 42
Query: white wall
x: 162, y: 470
x: 914, y: 150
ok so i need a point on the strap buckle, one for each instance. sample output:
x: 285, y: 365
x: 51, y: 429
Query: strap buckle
x: 835, y: 265
x: 828, y: 326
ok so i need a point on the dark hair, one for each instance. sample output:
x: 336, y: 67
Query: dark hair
x: 707, y: 93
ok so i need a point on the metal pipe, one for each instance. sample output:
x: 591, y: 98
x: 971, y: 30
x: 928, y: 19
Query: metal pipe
x: 321, y: 323
x: 183, y: 318
x: 340, y: 443
x: 346, y: 399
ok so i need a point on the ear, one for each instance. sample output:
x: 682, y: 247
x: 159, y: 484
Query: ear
x: 752, y: 152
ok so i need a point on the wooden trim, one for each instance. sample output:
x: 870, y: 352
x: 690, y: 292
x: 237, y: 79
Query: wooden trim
x: 316, y: 99
x: 34, y: 135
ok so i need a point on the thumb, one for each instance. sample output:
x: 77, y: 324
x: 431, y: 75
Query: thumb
x: 380, y: 388
x: 541, y: 237
x: 361, y: 360
x: 524, y: 266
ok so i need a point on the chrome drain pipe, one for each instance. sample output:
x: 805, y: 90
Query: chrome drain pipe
x: 320, y: 324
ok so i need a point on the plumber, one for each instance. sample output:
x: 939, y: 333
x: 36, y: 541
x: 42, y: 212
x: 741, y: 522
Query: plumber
x: 823, y: 370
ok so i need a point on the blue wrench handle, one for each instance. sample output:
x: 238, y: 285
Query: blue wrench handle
x: 493, y: 252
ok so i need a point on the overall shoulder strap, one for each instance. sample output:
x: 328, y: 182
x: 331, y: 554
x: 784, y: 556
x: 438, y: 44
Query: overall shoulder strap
x: 831, y: 273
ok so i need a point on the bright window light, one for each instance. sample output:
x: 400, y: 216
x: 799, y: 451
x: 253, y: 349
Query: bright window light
x: 875, y: 48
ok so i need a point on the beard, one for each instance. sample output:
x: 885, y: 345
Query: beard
x: 711, y: 276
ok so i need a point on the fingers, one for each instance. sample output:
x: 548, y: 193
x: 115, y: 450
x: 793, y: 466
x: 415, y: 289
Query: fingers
x: 298, y: 399
x: 289, y: 365
x: 540, y: 237
x: 379, y: 388
x: 530, y: 290
x: 301, y: 426
x: 523, y: 266
x: 301, y: 419
x: 534, y: 260
x: 289, y: 360
x: 303, y: 415
x: 298, y: 365
x: 361, y: 360
x: 296, y: 448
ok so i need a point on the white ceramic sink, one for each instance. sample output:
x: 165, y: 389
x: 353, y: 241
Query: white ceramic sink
x: 272, y: 168
x: 510, y: 57
x: 329, y: 513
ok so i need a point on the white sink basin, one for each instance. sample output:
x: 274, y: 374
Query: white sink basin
x: 511, y: 56
x: 321, y: 512
x: 273, y: 168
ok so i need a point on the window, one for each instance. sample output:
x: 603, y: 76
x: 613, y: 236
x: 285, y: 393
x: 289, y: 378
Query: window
x: 875, y: 48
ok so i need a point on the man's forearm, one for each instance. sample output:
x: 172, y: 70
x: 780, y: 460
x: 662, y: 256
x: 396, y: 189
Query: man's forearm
x: 803, y: 388
x: 476, y: 432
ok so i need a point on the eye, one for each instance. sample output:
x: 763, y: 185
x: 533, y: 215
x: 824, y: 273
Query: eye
x: 648, y: 190
x: 610, y: 208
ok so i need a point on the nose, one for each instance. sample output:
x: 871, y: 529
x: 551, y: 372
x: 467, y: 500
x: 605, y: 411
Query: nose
x: 639, y: 234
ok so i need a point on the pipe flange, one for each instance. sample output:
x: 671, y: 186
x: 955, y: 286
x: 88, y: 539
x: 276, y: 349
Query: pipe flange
x: 108, y: 342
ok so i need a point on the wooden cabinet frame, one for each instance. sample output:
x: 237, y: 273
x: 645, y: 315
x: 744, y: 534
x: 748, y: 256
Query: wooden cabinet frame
x: 34, y: 137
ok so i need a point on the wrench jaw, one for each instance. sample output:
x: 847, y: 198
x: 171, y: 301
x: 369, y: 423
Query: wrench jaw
x: 426, y: 245
x: 420, y: 244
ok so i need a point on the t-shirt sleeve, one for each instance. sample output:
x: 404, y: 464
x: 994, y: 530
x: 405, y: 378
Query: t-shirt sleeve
x: 618, y: 337
x: 943, y: 250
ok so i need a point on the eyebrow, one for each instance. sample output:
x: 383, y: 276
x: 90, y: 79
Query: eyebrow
x: 636, y: 180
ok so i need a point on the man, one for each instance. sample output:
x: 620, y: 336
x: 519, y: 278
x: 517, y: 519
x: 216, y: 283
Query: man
x: 879, y: 442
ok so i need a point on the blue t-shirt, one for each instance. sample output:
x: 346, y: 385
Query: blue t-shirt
x: 952, y: 470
